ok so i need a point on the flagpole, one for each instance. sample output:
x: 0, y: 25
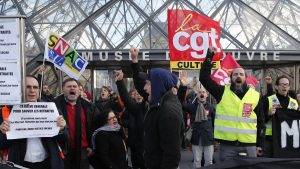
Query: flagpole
x: 60, y: 81
x: 42, y: 79
x: 43, y: 65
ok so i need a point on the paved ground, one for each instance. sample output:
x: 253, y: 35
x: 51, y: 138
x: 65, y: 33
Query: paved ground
x: 186, y: 160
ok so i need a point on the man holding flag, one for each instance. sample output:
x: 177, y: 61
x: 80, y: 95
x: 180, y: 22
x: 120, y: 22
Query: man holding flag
x: 239, y: 121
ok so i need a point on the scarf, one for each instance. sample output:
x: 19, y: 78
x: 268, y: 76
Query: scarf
x: 104, y: 128
x: 200, y: 112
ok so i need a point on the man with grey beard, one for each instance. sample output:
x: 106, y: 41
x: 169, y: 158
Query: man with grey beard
x: 79, y: 115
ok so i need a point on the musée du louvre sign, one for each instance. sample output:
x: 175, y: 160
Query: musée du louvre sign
x: 161, y: 55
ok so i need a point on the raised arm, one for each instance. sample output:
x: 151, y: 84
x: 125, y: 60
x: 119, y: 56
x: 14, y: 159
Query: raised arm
x: 139, y: 83
x: 128, y: 102
x: 183, y: 86
x: 210, y: 85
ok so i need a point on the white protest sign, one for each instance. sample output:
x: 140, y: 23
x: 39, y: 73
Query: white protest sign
x: 10, y: 89
x: 34, y: 119
x: 9, y: 39
x: 10, y: 60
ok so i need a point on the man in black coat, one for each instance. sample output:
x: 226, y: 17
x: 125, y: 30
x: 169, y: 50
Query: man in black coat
x: 163, y: 122
x: 79, y: 115
x: 135, y: 111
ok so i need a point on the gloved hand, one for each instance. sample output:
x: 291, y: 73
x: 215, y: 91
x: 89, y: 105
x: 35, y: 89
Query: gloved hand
x: 209, y: 56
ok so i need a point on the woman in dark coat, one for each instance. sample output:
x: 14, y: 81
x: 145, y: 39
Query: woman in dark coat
x: 109, y: 142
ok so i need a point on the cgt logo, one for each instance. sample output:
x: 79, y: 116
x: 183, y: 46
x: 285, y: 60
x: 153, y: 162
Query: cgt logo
x: 198, y: 41
x: 221, y: 76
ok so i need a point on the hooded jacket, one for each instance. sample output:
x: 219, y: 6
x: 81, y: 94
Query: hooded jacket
x: 161, y: 80
x: 163, y: 122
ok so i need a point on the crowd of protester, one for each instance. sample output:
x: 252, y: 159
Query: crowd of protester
x: 148, y: 126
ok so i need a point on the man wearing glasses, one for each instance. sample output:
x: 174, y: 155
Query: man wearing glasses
x: 33, y: 153
x: 280, y: 99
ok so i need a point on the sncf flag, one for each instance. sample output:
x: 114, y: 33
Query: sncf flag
x: 286, y: 133
x: 190, y: 34
x: 222, y: 75
x: 63, y: 56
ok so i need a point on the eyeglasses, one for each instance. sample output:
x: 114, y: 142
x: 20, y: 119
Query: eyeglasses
x: 284, y: 84
x: 111, y: 118
x: 32, y: 87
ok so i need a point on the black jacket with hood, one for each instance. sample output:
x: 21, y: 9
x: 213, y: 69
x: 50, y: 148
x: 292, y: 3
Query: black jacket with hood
x: 163, y: 122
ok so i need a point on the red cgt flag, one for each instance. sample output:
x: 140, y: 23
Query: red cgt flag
x: 190, y: 34
x: 222, y: 75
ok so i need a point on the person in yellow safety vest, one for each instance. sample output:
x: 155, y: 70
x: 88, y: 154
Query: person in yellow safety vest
x: 239, y: 122
x: 279, y: 100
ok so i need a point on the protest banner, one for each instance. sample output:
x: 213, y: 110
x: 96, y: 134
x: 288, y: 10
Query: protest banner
x: 190, y: 34
x: 286, y: 133
x: 63, y: 56
x: 222, y: 75
x: 9, y: 39
x: 34, y: 119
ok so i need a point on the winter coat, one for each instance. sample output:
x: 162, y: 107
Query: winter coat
x: 133, y: 118
x: 111, y: 103
x: 90, y: 112
x: 163, y: 123
x: 110, y: 150
x: 163, y: 132
x: 204, y: 129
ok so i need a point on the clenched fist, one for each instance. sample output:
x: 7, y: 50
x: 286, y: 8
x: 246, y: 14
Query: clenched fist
x: 134, y: 54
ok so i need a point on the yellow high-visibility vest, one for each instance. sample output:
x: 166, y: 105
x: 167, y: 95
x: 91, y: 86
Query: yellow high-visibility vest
x: 235, y: 118
x: 274, y: 100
